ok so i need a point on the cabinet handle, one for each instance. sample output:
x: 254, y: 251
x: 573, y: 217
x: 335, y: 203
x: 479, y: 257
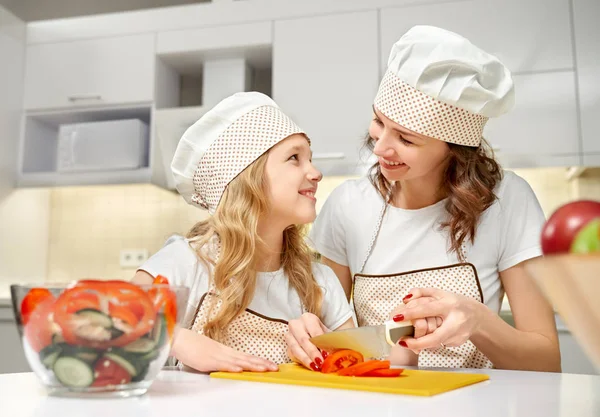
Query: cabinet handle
x: 80, y: 98
x: 330, y: 155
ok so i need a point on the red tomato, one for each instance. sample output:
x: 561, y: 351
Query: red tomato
x: 33, y: 298
x: 363, y: 368
x: 108, y: 372
x: 384, y: 373
x: 561, y: 228
x: 341, y: 359
x: 38, y: 330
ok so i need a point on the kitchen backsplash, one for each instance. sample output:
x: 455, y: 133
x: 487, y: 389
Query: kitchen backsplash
x: 74, y: 232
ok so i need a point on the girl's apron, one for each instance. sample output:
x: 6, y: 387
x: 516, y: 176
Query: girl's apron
x: 375, y: 296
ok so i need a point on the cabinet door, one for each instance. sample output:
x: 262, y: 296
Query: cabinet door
x: 587, y: 36
x: 90, y: 73
x: 532, y: 35
x: 325, y: 76
x: 541, y: 130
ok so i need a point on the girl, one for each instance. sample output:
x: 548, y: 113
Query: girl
x: 247, y: 266
x: 442, y: 233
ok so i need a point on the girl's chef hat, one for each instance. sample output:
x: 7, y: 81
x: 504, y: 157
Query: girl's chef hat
x: 224, y: 142
x: 440, y: 85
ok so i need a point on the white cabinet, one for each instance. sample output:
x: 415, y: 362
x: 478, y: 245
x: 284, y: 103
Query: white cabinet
x: 97, y: 72
x: 12, y: 51
x: 325, y: 77
x: 587, y: 39
x: 542, y: 128
x: 532, y: 35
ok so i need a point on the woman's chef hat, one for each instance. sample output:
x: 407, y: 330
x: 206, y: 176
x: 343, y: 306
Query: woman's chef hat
x: 224, y: 142
x: 440, y: 85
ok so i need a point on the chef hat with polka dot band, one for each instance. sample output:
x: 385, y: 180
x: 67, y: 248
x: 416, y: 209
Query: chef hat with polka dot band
x: 440, y: 85
x: 224, y: 142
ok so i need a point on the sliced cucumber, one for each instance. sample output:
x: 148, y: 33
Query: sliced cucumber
x: 114, y: 333
x: 123, y: 361
x: 141, y: 346
x: 159, y: 332
x: 141, y: 374
x: 49, y: 355
x: 73, y: 372
x: 57, y: 338
x: 95, y: 317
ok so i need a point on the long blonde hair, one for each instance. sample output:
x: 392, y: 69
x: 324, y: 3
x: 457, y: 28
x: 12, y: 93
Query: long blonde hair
x: 235, y: 224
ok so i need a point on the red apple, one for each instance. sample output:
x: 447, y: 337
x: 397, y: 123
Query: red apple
x: 561, y: 228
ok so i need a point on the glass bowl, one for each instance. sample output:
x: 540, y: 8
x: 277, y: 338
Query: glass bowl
x: 97, y: 337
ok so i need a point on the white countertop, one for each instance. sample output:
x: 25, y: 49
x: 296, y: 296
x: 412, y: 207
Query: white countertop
x: 178, y: 394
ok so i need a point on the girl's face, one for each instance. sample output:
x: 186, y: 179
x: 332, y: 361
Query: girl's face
x: 403, y: 154
x: 292, y: 181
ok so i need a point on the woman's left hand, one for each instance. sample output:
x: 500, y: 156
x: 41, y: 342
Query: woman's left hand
x: 460, y: 318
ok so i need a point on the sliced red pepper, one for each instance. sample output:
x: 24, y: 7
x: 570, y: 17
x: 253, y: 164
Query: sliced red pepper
x: 341, y: 359
x: 362, y: 368
x: 33, y: 298
x: 161, y: 280
x: 38, y: 330
x: 116, y: 292
x: 384, y: 372
x: 165, y: 301
x: 83, y: 301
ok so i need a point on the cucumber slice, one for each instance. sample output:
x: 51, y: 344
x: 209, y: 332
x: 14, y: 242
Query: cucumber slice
x: 114, y: 333
x: 95, y: 317
x: 49, y: 355
x: 159, y: 332
x: 57, y: 338
x: 73, y: 372
x: 123, y: 361
x: 86, y: 354
x: 141, y: 346
x: 141, y: 374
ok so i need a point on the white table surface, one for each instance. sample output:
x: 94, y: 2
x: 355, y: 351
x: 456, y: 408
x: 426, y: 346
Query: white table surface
x: 177, y: 394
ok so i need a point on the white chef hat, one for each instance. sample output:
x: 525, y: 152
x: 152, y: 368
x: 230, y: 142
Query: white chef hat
x: 440, y: 85
x: 224, y: 142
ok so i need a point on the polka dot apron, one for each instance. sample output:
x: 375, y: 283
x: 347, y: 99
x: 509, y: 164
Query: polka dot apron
x: 375, y: 296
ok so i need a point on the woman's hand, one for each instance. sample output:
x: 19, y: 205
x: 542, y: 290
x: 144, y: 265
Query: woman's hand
x: 300, y: 348
x: 422, y: 326
x: 460, y: 317
x: 206, y: 355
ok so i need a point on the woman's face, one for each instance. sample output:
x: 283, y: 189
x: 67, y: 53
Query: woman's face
x: 403, y: 154
x: 292, y: 181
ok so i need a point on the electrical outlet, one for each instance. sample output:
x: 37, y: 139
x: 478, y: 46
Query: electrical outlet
x: 132, y: 258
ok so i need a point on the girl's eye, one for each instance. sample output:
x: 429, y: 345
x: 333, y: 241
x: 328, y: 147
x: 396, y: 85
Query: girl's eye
x: 406, y: 142
x: 293, y: 157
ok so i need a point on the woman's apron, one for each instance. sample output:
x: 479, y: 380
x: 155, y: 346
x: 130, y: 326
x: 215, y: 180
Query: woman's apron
x: 250, y: 332
x: 375, y: 296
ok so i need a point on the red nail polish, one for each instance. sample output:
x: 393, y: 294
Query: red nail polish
x: 408, y: 297
x: 324, y: 354
x: 319, y: 362
x: 403, y: 344
x: 314, y: 367
x: 399, y: 317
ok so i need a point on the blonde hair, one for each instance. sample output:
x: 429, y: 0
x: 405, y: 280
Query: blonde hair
x: 235, y: 223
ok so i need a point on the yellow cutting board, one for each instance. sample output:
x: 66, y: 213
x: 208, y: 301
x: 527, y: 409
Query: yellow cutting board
x: 411, y: 382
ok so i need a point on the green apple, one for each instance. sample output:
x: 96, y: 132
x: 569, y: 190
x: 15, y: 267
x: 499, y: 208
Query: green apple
x: 587, y: 239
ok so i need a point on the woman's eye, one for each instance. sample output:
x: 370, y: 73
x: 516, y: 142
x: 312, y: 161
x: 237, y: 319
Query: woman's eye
x: 378, y: 122
x: 293, y: 157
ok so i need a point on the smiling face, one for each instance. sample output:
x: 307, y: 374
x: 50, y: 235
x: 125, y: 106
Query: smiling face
x: 292, y: 181
x: 403, y: 154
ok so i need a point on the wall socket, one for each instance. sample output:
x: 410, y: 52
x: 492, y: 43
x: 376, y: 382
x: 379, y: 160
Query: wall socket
x: 132, y: 258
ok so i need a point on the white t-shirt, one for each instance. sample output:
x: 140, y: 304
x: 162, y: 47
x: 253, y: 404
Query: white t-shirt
x: 508, y: 233
x: 273, y: 297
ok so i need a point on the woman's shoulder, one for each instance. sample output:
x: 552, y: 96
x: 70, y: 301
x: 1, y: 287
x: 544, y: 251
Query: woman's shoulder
x: 513, y: 189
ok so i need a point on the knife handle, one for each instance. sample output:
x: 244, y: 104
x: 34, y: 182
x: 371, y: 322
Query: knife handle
x: 394, y: 331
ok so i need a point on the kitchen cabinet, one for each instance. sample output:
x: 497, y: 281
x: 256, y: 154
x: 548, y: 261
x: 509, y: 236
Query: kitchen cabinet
x: 532, y: 35
x: 325, y: 77
x: 587, y: 38
x: 90, y: 73
x: 12, y: 52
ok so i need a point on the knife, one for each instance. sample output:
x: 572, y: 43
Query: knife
x: 370, y: 341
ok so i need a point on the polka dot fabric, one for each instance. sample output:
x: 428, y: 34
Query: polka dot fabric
x: 376, y: 296
x: 235, y: 149
x: 249, y: 332
x: 423, y: 114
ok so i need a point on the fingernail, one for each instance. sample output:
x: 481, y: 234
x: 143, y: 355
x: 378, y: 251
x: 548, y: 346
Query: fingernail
x: 409, y: 296
x: 399, y: 317
x: 314, y: 367
x: 319, y: 362
x: 403, y: 343
x: 324, y: 354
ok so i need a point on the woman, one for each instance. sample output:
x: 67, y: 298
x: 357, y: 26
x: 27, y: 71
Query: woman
x: 437, y: 233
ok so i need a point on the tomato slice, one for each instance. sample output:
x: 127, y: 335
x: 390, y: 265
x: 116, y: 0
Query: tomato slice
x: 341, y: 359
x: 38, y: 330
x: 108, y: 372
x: 362, y: 368
x: 384, y: 372
x: 33, y: 298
